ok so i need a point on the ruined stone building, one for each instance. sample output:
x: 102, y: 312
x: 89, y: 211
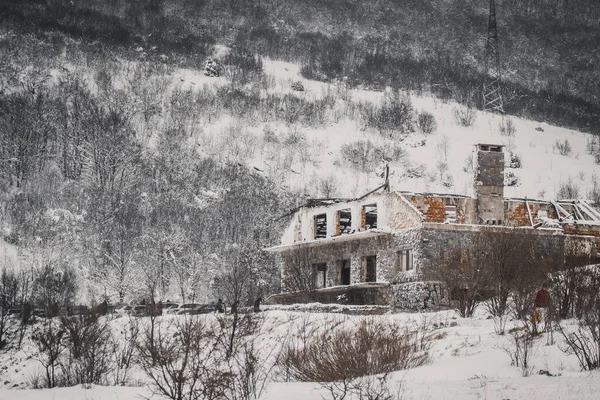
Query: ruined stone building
x: 373, y: 249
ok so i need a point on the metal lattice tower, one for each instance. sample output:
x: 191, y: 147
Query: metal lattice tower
x: 492, y: 93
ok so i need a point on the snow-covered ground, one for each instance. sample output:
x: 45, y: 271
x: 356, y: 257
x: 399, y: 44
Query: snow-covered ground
x: 468, y: 361
x: 543, y: 168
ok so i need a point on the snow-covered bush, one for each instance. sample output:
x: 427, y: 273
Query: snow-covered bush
x: 212, y: 68
x: 392, y: 117
x: 297, y: 86
x: 563, y: 147
x: 568, y: 190
x: 515, y: 161
x: 364, y: 156
x: 88, y: 350
x: 507, y: 127
x: 510, y: 179
x: 464, y: 116
x: 583, y: 340
x: 426, y: 123
x: 341, y: 360
x: 520, y: 350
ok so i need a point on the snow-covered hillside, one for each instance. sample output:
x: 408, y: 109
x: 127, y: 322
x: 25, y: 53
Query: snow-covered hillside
x: 542, y: 173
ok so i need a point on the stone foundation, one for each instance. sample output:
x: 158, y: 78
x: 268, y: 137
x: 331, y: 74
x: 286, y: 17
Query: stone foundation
x: 368, y: 293
x: 416, y: 296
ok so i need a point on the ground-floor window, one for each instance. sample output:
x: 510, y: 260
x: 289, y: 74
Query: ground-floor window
x: 370, y: 269
x: 405, y: 260
x: 320, y: 275
x: 344, y: 273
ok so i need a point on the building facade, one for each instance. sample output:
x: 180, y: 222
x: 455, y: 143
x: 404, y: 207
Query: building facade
x: 383, y: 241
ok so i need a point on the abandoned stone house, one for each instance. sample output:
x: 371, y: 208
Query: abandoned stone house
x: 373, y: 249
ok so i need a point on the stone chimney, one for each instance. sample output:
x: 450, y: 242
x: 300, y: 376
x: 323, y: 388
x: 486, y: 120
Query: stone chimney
x: 488, y: 167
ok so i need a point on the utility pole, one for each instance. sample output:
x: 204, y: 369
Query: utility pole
x: 492, y: 92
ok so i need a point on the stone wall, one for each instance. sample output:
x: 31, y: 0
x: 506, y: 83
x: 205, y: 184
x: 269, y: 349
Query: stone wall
x: 332, y: 252
x: 489, y: 187
x: 416, y: 296
x: 489, y: 169
x: 367, y: 293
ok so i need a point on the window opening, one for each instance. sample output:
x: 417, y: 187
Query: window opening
x: 450, y: 214
x: 405, y: 260
x: 345, y: 272
x: 345, y: 221
x: 321, y: 226
x: 370, y: 212
x: 371, y: 269
x: 321, y: 275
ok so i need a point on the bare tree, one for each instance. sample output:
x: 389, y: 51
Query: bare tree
x: 88, y: 349
x: 464, y: 273
x: 183, y: 364
x: 584, y: 339
x: 48, y: 338
x: 299, y: 274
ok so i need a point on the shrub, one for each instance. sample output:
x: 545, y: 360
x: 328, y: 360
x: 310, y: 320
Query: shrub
x: 242, y: 66
x: 594, y: 193
x: 346, y: 354
x: 364, y: 156
x: 297, y: 86
x: 507, y: 127
x: 515, y: 161
x: 568, y: 190
x: 520, y: 350
x: 464, y: 116
x: 395, y: 114
x: 48, y: 339
x: 89, y: 350
x: 584, y: 340
x: 182, y: 364
x: 564, y: 148
x: 426, y: 123
x: 510, y: 179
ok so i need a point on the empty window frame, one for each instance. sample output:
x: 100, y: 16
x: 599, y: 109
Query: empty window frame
x: 405, y: 260
x: 345, y: 221
x: 344, y: 272
x: 370, y: 268
x: 450, y: 214
x: 321, y: 226
x: 370, y: 213
x: 320, y: 275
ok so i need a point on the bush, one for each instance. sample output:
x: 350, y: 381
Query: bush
x: 364, y: 156
x: 372, y: 348
x: 564, y: 148
x: 510, y: 179
x: 568, y: 190
x: 242, y: 66
x: 395, y: 114
x: 515, y: 161
x: 426, y: 123
x: 507, y: 127
x: 297, y: 86
x: 88, y: 346
x: 181, y: 364
x: 464, y: 116
x: 584, y: 340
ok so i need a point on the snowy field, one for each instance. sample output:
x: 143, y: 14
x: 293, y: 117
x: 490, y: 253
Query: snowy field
x: 468, y: 361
